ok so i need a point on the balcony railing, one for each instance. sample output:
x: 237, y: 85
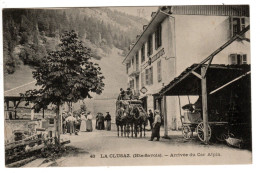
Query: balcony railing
x: 133, y: 71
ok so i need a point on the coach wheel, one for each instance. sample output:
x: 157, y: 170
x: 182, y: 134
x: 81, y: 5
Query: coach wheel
x: 200, y: 131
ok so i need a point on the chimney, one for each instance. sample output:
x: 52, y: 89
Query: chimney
x: 153, y: 14
x: 167, y: 9
x: 137, y: 37
x: 144, y: 27
x: 131, y: 46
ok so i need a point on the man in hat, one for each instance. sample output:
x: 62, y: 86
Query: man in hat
x: 150, y: 118
x: 156, y: 126
x: 108, y: 120
x: 122, y: 94
x: 77, y: 124
x: 129, y: 93
x: 71, y: 120
x: 64, y: 127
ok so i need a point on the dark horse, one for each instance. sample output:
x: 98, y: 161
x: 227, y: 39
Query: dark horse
x: 140, y: 120
x: 121, y: 121
x: 130, y: 118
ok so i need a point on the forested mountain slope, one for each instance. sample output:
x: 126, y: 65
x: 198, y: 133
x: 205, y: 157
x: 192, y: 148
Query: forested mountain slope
x: 29, y: 34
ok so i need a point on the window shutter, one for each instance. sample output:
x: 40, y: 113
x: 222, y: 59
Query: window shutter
x: 148, y: 47
x: 142, y: 53
x: 231, y: 26
x: 142, y: 79
x: 151, y: 75
x: 159, y: 75
x: 243, y: 25
x: 160, y: 35
x: 233, y: 59
x: 147, y: 76
x: 244, y: 59
x: 156, y: 39
x: 151, y: 46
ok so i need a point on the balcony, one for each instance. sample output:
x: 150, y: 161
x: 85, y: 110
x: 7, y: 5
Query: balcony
x: 133, y: 71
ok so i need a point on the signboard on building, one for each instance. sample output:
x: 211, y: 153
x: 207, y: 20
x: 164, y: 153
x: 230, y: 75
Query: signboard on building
x: 143, y: 90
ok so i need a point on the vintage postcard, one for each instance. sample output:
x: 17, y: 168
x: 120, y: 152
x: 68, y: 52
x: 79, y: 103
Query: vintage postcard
x: 127, y: 86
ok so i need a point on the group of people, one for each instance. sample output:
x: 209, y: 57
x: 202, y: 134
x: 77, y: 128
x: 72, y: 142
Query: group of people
x: 155, y: 123
x: 100, y: 121
x: 125, y: 95
x: 72, y: 123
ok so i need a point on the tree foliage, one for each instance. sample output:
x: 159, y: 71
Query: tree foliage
x: 66, y: 75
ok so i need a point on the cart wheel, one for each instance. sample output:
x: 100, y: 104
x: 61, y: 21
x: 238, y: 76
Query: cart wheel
x: 200, y: 131
x: 186, y: 132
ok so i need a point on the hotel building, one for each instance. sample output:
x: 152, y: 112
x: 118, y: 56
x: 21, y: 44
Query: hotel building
x: 177, y: 37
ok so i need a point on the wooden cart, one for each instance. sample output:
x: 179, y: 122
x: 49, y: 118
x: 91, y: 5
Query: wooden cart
x: 192, y: 122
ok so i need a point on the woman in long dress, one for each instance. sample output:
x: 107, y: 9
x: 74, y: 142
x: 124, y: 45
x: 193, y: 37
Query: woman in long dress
x: 83, y: 125
x: 89, y: 122
x: 108, y: 119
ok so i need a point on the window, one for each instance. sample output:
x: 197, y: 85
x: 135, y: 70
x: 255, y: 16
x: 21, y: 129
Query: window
x: 150, y: 45
x: 51, y: 121
x: 237, y: 25
x: 137, y: 61
x: 238, y: 59
x: 132, y: 84
x: 244, y: 59
x: 143, y: 53
x: 128, y: 65
x: 137, y: 83
x: 133, y: 61
x: 158, y: 37
x: 149, y: 76
x: 159, y: 71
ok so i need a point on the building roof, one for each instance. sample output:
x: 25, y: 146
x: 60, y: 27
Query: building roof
x: 217, y: 75
x: 163, y: 12
x: 158, y: 18
x: 15, y: 92
x: 211, y: 10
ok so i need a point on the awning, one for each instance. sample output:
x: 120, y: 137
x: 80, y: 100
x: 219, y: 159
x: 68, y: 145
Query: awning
x: 187, y: 83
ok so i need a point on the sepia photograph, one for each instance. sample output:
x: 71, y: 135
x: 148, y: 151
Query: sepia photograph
x: 127, y: 86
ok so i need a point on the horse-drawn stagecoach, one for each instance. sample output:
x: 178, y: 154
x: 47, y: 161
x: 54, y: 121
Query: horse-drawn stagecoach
x: 130, y: 117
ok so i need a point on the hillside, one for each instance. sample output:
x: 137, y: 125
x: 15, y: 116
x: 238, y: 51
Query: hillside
x: 29, y: 34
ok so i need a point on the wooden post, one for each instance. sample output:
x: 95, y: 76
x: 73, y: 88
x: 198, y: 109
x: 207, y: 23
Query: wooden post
x: 58, y: 123
x: 15, y: 113
x: 165, y: 119
x: 7, y: 109
x: 32, y: 111
x: 204, y: 104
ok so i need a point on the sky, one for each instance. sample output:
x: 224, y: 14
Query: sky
x: 144, y: 12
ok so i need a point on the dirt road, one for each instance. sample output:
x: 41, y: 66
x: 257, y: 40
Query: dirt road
x: 104, y: 148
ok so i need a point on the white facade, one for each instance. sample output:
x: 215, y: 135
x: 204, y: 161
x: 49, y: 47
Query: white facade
x: 186, y: 39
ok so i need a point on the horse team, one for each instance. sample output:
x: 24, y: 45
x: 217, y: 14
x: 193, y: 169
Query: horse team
x: 130, y: 118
